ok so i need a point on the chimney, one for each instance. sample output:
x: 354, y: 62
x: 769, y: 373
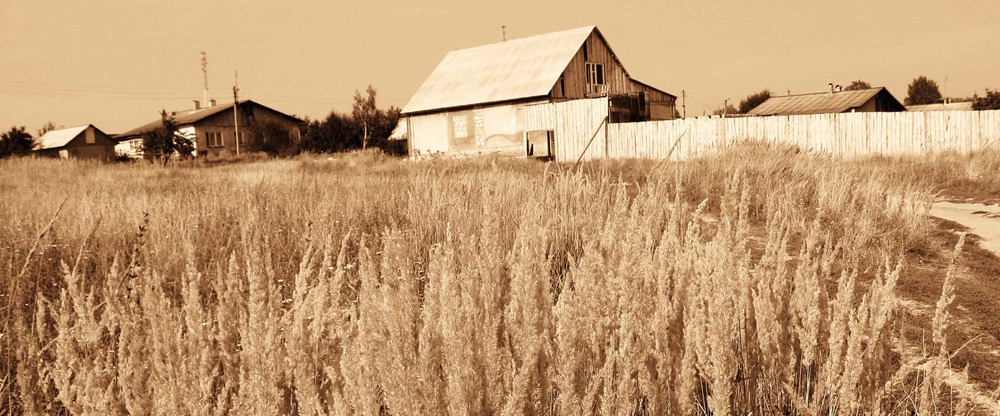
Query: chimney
x: 197, y: 104
x: 831, y: 88
x: 211, y: 102
x: 839, y: 89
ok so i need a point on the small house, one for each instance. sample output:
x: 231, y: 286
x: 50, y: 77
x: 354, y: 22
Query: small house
x: 473, y: 101
x: 834, y: 101
x: 945, y: 106
x: 83, y: 142
x: 213, y: 128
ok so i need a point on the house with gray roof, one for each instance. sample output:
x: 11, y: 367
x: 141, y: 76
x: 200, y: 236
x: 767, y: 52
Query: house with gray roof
x: 213, y: 128
x: 865, y: 100
x: 81, y: 142
x: 472, y: 102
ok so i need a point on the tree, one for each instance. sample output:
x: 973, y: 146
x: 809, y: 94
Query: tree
x: 165, y: 141
x: 16, y: 141
x: 274, y: 139
x: 858, y: 85
x: 366, y: 126
x: 47, y: 127
x: 922, y: 91
x: 753, y: 100
x: 991, y: 101
x: 728, y: 110
x: 365, y: 113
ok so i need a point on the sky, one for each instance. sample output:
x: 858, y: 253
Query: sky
x: 116, y: 64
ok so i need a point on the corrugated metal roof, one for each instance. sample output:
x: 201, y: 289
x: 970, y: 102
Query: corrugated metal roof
x: 192, y: 116
x: 181, y: 118
x: 59, y: 138
x: 815, y: 103
x: 511, y: 70
x: 963, y: 106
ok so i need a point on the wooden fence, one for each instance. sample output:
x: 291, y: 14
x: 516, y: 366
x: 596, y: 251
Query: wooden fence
x: 847, y: 134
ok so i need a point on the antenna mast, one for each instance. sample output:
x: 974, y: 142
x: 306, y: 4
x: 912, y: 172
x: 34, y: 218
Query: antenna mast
x: 204, y: 73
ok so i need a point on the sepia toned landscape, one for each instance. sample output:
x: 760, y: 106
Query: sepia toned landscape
x: 499, y: 208
x: 760, y: 280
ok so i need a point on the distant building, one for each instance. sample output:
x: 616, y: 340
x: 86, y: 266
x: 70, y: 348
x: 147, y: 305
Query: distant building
x: 962, y: 106
x: 83, y: 142
x: 212, y: 128
x: 866, y: 100
x: 472, y: 102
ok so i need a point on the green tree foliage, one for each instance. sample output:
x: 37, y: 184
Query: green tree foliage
x: 366, y: 126
x: 753, y: 100
x: 922, y: 91
x: 15, y: 141
x: 858, y: 85
x: 990, y: 101
x: 165, y: 142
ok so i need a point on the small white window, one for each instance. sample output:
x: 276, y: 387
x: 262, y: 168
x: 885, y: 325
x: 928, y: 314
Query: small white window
x: 461, y: 126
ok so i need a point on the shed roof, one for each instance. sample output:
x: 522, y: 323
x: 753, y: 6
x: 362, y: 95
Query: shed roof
x: 504, y: 71
x: 815, y: 103
x: 59, y: 138
x: 192, y: 116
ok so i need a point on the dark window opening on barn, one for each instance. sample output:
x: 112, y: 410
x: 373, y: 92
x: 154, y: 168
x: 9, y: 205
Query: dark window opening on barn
x: 242, y: 137
x: 595, y: 79
x: 214, y: 139
x: 585, y: 57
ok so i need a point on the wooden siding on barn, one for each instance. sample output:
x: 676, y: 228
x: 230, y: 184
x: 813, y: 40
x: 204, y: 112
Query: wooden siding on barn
x: 575, y: 76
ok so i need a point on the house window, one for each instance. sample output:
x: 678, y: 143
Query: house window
x: 595, y: 73
x: 214, y: 139
x: 242, y: 136
x: 480, y: 126
x: 460, y: 126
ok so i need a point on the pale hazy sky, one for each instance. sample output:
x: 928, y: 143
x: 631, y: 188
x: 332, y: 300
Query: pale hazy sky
x: 117, y: 63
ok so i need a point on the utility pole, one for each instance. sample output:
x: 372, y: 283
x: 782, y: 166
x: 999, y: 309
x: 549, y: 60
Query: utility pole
x: 684, y: 103
x: 236, y: 105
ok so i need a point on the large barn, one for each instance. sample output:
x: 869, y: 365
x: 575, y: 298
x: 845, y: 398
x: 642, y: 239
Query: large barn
x: 83, y: 142
x: 473, y: 101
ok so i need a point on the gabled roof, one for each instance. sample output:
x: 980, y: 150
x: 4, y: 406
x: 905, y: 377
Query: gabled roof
x: 504, y: 71
x: 59, y: 138
x: 192, y: 116
x: 816, y: 103
x: 962, y: 106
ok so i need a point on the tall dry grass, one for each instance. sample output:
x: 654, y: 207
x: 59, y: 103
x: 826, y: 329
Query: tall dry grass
x: 758, y: 281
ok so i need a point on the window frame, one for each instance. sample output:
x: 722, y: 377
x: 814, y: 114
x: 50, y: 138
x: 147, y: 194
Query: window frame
x: 594, y: 71
x: 208, y: 139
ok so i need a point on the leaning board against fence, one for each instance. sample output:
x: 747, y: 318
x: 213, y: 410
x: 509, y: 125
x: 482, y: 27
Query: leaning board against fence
x: 577, y: 123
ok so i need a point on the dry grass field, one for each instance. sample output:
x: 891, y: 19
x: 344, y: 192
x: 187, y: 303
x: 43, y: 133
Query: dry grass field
x: 761, y: 281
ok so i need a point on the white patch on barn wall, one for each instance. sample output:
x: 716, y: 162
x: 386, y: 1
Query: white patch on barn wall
x: 430, y: 133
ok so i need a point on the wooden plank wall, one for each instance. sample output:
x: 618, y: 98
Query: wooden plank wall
x: 847, y: 134
x: 574, y: 122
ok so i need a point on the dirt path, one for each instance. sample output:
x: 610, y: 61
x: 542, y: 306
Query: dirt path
x: 982, y: 220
